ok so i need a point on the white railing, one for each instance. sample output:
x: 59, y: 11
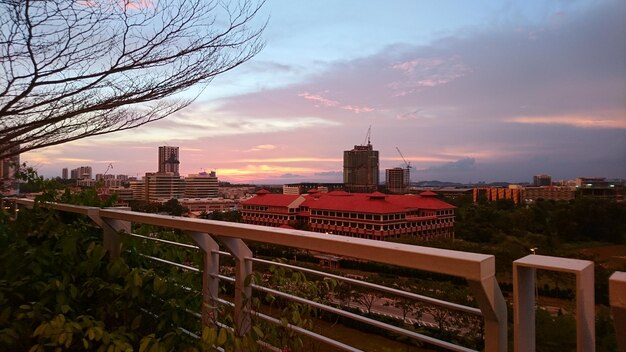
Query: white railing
x: 477, y: 269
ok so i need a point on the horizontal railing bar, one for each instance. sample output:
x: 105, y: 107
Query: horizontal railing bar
x: 393, y: 291
x: 376, y: 323
x: 308, y: 333
x: 170, y: 262
x: 162, y: 240
x: 472, y: 266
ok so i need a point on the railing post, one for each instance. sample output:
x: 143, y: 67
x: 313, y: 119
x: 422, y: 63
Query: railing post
x: 493, y: 306
x: 524, y: 305
x: 210, y: 279
x: 617, y: 299
x: 110, y: 231
x: 243, y: 289
x: 524, y: 308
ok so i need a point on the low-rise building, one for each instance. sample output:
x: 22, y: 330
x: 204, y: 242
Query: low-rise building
x: 364, y: 215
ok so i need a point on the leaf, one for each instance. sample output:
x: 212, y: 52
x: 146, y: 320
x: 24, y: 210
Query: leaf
x: 258, y: 331
x: 136, y: 323
x: 221, y: 338
x: 65, y: 308
x: 145, y: 342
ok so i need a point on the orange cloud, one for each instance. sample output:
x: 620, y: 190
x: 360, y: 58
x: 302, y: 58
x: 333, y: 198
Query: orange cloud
x: 615, y: 119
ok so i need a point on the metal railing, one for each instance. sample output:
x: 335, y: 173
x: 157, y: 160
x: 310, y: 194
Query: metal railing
x: 478, y: 270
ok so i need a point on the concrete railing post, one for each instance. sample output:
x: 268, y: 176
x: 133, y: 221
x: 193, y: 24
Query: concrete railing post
x: 210, y: 279
x: 524, y: 299
x: 110, y: 231
x: 493, y: 306
x: 243, y: 289
x: 617, y: 299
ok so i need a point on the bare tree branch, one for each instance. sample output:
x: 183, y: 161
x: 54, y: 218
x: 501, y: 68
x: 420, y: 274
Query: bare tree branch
x: 71, y: 69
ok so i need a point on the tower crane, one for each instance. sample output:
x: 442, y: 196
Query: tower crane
x: 368, y: 135
x: 408, y: 164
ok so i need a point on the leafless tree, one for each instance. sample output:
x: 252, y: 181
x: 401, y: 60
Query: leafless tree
x: 77, y: 68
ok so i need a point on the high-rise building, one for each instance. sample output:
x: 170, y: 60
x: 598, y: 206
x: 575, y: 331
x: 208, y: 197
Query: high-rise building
x: 9, y: 184
x: 163, y: 186
x: 169, y: 159
x: 397, y: 180
x: 64, y: 173
x: 81, y: 173
x: 542, y: 180
x: 202, y: 185
x: 360, y: 169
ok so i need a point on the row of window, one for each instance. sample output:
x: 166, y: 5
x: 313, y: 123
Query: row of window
x: 268, y: 216
x: 388, y: 227
x: 348, y: 215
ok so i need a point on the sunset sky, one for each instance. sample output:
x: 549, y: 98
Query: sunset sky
x: 469, y: 91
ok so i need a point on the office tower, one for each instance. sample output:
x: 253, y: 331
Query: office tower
x: 360, y: 169
x: 202, y: 185
x: 397, y: 180
x: 64, y: 173
x: 9, y: 184
x: 542, y: 180
x: 163, y: 186
x: 169, y: 159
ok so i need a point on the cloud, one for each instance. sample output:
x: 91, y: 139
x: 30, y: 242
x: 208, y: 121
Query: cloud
x: 329, y: 173
x: 462, y: 165
x: 289, y: 160
x: 261, y: 148
x: 325, y: 102
x: 318, y: 99
x: 613, y: 120
x: 289, y: 175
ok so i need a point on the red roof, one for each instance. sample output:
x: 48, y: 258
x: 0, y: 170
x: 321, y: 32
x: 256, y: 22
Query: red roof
x: 272, y: 200
x: 375, y: 203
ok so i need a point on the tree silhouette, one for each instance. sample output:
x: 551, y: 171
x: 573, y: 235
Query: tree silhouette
x: 72, y: 69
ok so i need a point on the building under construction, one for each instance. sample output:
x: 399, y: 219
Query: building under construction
x: 360, y: 169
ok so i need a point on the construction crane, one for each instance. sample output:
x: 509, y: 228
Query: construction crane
x: 408, y: 164
x: 367, y: 136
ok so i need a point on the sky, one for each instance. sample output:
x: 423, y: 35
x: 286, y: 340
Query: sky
x: 468, y: 91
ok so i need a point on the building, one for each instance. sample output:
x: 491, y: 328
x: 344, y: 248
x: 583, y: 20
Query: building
x: 198, y: 205
x: 81, y: 173
x: 202, y: 185
x: 305, y: 187
x: 492, y: 194
x: 598, y: 188
x: 9, y: 184
x: 270, y: 209
x: 138, y: 190
x: 360, y: 169
x: 169, y: 160
x: 163, y: 186
x: 292, y: 190
x: 397, y: 180
x: 235, y: 192
x: 542, y: 180
x: 64, y: 173
x: 364, y: 215
x: 531, y: 194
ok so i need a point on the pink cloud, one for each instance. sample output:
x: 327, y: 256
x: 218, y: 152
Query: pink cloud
x: 326, y: 102
x: 319, y: 99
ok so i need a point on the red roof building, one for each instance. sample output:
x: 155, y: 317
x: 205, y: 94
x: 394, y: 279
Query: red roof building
x: 363, y: 215
x: 270, y: 209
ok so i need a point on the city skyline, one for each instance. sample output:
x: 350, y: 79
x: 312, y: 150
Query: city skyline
x: 491, y: 92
